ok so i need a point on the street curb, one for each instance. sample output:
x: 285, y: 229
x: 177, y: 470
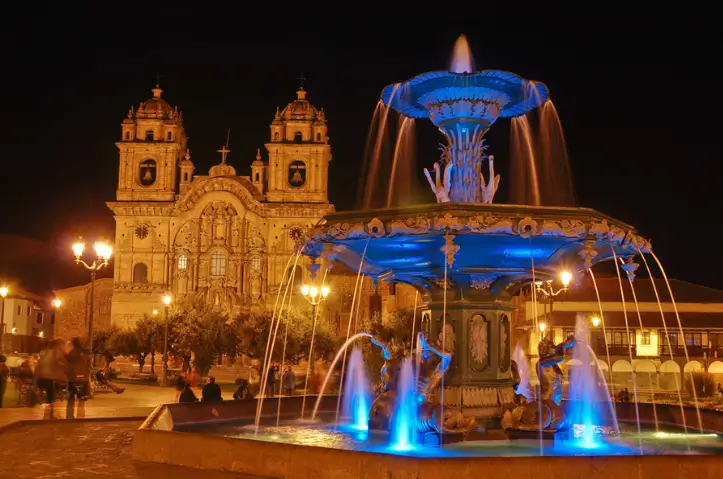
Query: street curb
x: 27, y: 422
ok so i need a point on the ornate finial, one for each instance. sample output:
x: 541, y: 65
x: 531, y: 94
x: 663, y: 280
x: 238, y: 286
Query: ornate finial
x: 258, y: 154
x: 301, y: 81
x: 277, y: 116
x: 449, y: 249
x: 130, y: 112
x: 224, y: 149
x: 188, y: 154
x: 630, y: 268
x: 157, y: 90
x: 588, y: 253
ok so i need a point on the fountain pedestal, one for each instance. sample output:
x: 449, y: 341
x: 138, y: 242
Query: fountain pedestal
x: 477, y: 331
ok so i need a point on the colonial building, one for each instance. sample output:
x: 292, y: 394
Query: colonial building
x: 633, y: 335
x: 29, y: 319
x: 224, y: 237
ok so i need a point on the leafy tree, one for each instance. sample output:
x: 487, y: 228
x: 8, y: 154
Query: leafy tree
x: 149, y: 335
x: 126, y: 343
x: 703, y: 382
x: 102, y: 340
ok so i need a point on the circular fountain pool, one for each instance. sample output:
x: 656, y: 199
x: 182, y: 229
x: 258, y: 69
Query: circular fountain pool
x: 629, y: 442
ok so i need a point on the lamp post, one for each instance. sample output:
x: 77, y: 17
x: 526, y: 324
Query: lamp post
x: 314, y: 296
x: 545, y: 288
x: 3, y: 293
x: 166, y: 303
x: 57, y: 303
x: 103, y: 252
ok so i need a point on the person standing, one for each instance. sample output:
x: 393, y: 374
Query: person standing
x: 78, y: 377
x: 4, y: 373
x: 51, y: 371
x: 288, y: 380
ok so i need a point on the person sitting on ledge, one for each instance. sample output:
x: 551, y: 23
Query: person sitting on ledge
x: 211, y: 392
x: 187, y: 395
x: 243, y: 392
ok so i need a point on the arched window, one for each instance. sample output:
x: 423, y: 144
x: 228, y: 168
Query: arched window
x: 183, y: 262
x: 256, y: 264
x: 140, y: 273
x: 297, y: 137
x: 297, y: 173
x: 276, y: 136
x: 128, y: 135
x: 169, y: 136
x: 185, y: 177
x: 149, y: 135
x: 257, y: 177
x: 318, y: 137
x: 147, y: 172
x: 218, y: 263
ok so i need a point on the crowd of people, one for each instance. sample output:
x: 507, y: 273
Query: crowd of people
x: 61, y: 371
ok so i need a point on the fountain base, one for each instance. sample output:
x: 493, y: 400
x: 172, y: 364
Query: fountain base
x: 435, y: 439
x: 545, y: 434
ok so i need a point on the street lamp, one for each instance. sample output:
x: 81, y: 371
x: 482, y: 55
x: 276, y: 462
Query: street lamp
x: 595, y: 321
x: 545, y: 288
x: 57, y: 303
x: 103, y: 252
x: 3, y: 293
x: 166, y: 302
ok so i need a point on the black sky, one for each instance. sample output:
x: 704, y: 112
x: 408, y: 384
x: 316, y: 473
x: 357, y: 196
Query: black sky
x: 636, y: 92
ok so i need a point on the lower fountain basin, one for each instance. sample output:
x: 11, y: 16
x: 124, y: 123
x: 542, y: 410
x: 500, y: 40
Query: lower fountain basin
x: 221, y: 437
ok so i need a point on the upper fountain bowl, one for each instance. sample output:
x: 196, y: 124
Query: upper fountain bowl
x: 448, y: 97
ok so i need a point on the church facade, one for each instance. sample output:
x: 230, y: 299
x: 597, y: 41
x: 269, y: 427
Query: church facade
x: 224, y: 237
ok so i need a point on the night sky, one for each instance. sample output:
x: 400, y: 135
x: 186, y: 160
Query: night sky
x: 635, y: 91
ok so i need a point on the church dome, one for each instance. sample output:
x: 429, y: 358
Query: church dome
x: 156, y: 108
x: 300, y: 109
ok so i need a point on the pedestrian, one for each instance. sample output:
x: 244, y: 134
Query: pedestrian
x: 79, y: 363
x: 4, y: 373
x: 180, y: 385
x: 288, y: 380
x: 271, y: 376
x: 51, y: 372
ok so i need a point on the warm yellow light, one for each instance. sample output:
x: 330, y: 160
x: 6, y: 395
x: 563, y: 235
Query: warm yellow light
x: 595, y: 321
x: 565, y: 277
x: 103, y: 250
x: 3, y: 291
x: 324, y: 291
x: 57, y: 302
x: 41, y: 334
x: 313, y: 291
x: 78, y: 248
x: 538, y: 283
x: 155, y: 312
x: 15, y: 330
x: 167, y: 299
x: 305, y: 290
x: 543, y: 327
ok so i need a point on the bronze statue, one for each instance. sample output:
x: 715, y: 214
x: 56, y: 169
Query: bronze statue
x: 545, y: 413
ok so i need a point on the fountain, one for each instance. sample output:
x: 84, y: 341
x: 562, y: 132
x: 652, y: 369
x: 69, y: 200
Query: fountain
x: 461, y: 384
x: 357, y: 395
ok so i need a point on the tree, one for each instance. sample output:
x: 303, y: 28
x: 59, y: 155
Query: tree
x: 102, y: 340
x: 149, y: 334
x: 126, y: 343
x: 203, y: 332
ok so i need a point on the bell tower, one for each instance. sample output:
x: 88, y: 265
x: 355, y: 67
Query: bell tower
x: 153, y: 142
x: 299, y: 154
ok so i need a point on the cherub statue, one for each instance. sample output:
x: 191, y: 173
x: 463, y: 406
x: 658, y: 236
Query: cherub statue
x: 440, y: 186
x: 489, y: 189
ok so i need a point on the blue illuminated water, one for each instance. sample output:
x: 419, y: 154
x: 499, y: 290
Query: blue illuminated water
x: 590, y: 406
x: 357, y: 393
x: 405, y: 412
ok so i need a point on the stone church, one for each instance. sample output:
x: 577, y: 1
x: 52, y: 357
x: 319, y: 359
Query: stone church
x: 223, y: 236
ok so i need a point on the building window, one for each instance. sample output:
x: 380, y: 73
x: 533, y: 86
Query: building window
x: 298, y: 276
x: 257, y: 177
x: 218, y: 263
x: 140, y: 273
x: 620, y: 338
x: 20, y: 310
x: 298, y: 138
x: 52, y: 318
x: 147, y: 172
x: 183, y: 262
x: 149, y: 135
x: 696, y: 339
x: 645, y: 338
x: 318, y: 137
x: 256, y: 264
x: 28, y: 311
x: 169, y: 136
x: 185, y: 177
x: 716, y: 340
x: 128, y: 135
x: 672, y: 339
x: 39, y: 318
x: 276, y: 136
